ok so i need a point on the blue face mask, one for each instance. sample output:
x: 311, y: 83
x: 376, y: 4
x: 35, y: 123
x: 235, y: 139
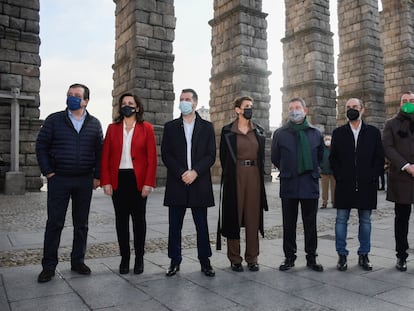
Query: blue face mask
x: 185, y: 107
x: 73, y: 103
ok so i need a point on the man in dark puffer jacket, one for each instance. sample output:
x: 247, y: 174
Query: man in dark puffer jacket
x: 68, y: 150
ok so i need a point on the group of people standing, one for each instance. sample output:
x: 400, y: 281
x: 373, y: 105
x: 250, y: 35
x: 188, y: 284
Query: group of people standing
x: 75, y: 159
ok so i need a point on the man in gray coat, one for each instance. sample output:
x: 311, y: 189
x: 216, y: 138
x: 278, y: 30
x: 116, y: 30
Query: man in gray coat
x: 398, y: 141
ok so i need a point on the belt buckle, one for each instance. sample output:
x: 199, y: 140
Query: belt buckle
x: 248, y: 162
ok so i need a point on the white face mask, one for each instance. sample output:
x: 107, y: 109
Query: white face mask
x: 296, y: 116
x: 185, y: 107
x: 327, y: 143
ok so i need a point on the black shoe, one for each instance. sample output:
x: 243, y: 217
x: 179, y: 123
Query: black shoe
x: 363, y: 261
x: 287, y: 264
x: 237, y: 267
x: 124, y: 266
x: 172, y: 269
x: 401, y: 264
x: 208, y: 270
x: 81, y: 268
x: 314, y: 265
x: 253, y: 266
x: 139, y: 265
x: 46, y: 275
x: 342, y: 265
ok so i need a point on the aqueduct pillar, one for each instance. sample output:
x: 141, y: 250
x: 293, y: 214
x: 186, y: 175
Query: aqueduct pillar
x: 360, y: 62
x: 397, y: 38
x: 308, y: 62
x: 20, y: 70
x: 144, y: 60
x: 239, y: 56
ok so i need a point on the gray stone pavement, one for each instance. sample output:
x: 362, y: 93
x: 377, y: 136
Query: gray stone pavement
x: 22, y: 224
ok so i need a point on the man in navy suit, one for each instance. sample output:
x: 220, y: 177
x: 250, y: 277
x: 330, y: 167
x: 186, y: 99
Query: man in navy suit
x: 188, y: 151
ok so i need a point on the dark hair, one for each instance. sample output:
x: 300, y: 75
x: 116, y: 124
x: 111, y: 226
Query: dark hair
x: 139, y: 114
x: 238, y: 101
x: 406, y: 93
x: 195, y: 96
x: 298, y: 99
x: 85, y: 88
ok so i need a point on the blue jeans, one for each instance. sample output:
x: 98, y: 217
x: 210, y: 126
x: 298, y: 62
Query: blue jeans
x: 364, y: 231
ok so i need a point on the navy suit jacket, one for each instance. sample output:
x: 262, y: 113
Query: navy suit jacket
x: 174, y: 156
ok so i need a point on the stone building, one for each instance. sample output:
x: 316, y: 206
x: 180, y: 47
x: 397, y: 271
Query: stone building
x: 204, y: 113
x: 375, y: 63
x: 20, y: 72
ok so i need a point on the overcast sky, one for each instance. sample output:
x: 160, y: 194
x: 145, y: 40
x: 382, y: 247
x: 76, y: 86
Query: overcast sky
x: 78, y: 39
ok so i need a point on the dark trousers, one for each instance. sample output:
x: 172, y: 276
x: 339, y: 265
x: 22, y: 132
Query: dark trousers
x: 176, y: 217
x: 309, y: 208
x: 128, y: 202
x: 401, y: 221
x: 60, y: 190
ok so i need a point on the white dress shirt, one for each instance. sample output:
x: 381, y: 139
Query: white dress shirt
x: 188, y: 130
x: 126, y: 160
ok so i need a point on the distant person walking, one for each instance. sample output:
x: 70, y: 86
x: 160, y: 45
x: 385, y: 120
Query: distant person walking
x: 327, y: 177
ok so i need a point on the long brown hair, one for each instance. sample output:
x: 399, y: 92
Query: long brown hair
x: 139, y: 114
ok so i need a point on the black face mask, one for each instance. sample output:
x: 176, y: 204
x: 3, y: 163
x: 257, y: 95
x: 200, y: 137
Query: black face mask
x: 352, y: 114
x: 127, y: 111
x: 247, y: 113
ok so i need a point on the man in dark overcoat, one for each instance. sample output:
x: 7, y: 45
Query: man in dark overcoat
x: 188, y: 151
x: 398, y: 142
x: 297, y: 151
x: 357, y: 159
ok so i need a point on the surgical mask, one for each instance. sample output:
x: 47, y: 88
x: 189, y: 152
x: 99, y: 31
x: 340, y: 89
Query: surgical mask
x: 296, y: 116
x: 352, y: 114
x: 408, y: 108
x: 127, y: 111
x: 247, y: 113
x: 185, y: 107
x: 73, y: 103
x: 327, y: 143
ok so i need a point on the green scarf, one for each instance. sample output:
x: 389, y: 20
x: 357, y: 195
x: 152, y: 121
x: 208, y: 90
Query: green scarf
x: 304, y: 151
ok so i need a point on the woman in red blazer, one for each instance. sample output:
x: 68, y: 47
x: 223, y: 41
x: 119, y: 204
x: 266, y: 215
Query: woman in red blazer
x: 128, y: 168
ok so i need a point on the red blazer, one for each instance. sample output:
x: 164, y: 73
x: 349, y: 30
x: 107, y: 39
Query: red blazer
x: 143, y: 154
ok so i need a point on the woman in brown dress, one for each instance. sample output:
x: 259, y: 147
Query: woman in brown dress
x: 243, y: 198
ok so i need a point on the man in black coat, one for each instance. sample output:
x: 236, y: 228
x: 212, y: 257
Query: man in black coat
x: 68, y: 150
x: 188, y: 151
x: 356, y: 158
